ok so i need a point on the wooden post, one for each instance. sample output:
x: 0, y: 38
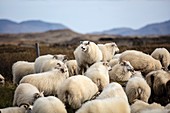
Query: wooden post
x: 37, y: 49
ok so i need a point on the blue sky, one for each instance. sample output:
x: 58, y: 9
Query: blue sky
x: 88, y: 15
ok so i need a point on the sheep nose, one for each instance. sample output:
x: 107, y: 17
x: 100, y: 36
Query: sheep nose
x: 83, y: 48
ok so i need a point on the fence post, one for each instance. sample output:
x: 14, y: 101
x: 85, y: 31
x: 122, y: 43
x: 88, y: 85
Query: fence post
x: 37, y: 49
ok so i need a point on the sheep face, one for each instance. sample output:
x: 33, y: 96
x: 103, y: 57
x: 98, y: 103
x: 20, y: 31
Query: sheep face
x: 127, y: 65
x: 85, y: 45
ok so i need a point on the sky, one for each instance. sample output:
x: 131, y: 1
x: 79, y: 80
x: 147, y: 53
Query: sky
x: 85, y: 16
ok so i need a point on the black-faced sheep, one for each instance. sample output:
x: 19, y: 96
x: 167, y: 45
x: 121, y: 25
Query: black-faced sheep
x: 163, y: 56
x: 21, y: 69
x: 48, y: 104
x: 141, y: 61
x: 26, y: 93
x: 121, y: 72
x: 99, y: 74
x: 49, y: 81
x: 86, y: 54
x: 108, y: 50
x: 76, y: 90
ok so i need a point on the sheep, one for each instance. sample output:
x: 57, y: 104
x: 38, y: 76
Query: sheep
x: 48, y: 104
x: 98, y: 73
x: 113, y: 62
x: 137, y: 88
x: 49, y: 81
x: 141, y: 61
x: 121, y: 72
x: 157, y: 81
x: 76, y: 90
x: 26, y: 93
x: 61, y: 57
x: 21, y: 69
x: 114, y: 89
x: 24, y: 108
x: 108, y: 105
x: 41, y: 59
x: 143, y: 107
x: 51, y: 64
x: 86, y: 54
x: 163, y: 55
x: 2, y: 80
x: 72, y: 67
x: 108, y: 50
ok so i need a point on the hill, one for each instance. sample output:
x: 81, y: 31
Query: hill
x: 157, y: 29
x: 31, y: 26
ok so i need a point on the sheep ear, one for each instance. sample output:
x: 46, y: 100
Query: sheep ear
x: 25, y: 105
x: 65, y: 58
x: 123, y: 63
x: 36, y: 95
x: 88, y: 42
x: 81, y: 42
x: 55, y: 57
x: 113, y: 44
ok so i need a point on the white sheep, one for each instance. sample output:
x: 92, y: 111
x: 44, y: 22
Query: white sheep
x: 26, y: 93
x: 41, y: 59
x: 108, y: 105
x: 157, y: 81
x: 163, y: 55
x: 86, y: 54
x: 24, y: 108
x: 137, y: 88
x: 21, y: 69
x: 113, y: 62
x: 48, y: 104
x: 49, y: 82
x: 121, y: 72
x: 51, y: 64
x: 2, y: 80
x: 61, y: 57
x: 114, y: 89
x: 76, y: 90
x: 143, y: 107
x: 141, y: 61
x: 99, y: 74
x: 108, y: 50
x: 72, y: 67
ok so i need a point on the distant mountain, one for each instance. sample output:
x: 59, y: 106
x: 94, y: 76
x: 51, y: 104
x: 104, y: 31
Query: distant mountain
x: 8, y: 26
x: 151, y: 29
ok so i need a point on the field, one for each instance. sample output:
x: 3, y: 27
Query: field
x: 9, y: 54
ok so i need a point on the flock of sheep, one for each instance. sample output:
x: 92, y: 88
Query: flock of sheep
x: 98, y: 80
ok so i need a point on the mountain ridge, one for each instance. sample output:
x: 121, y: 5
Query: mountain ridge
x: 30, y: 26
x: 161, y: 28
